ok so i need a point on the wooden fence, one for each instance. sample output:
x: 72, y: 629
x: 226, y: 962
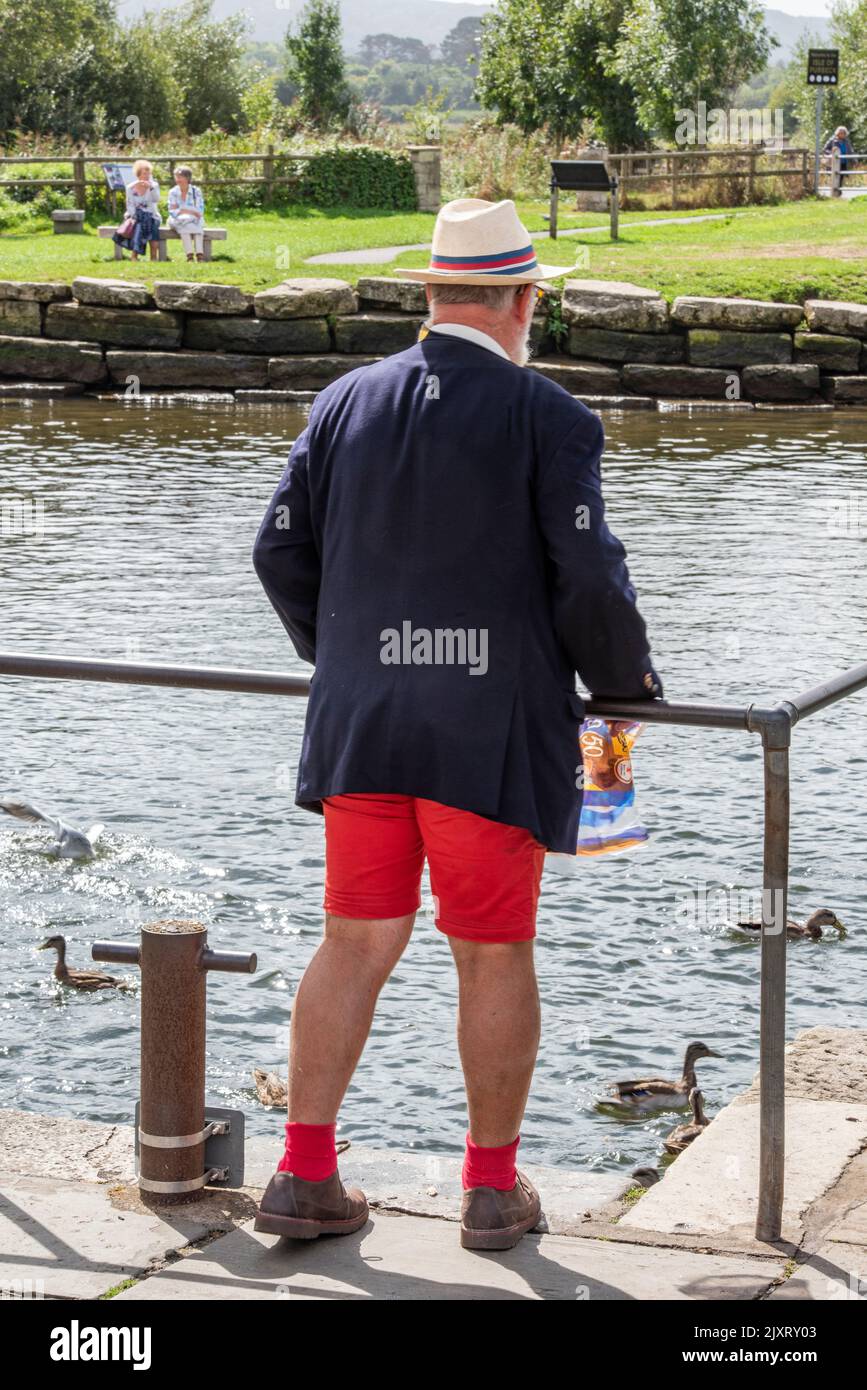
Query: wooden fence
x: 79, y: 182
x: 680, y: 169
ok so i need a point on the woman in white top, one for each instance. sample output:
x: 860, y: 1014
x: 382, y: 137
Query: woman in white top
x: 142, y: 205
x: 187, y: 212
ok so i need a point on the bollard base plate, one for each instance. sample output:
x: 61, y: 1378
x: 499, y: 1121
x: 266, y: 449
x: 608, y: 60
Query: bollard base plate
x: 224, y: 1153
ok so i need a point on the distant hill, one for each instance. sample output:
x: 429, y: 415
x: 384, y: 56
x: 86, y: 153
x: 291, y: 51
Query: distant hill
x: 428, y: 20
x: 788, y: 28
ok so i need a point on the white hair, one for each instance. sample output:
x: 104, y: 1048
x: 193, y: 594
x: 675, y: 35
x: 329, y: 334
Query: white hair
x: 493, y: 297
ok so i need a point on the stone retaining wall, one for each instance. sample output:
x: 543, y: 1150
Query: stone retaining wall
x: 620, y: 345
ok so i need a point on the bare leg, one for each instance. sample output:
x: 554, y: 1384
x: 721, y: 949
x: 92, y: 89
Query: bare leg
x: 498, y: 1033
x: 333, y: 1011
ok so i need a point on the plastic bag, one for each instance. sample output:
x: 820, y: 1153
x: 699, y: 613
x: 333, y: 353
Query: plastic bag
x: 609, y: 823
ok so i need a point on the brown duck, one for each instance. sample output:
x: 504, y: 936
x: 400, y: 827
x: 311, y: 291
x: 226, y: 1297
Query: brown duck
x: 682, y: 1135
x: 78, y: 979
x: 655, y: 1093
x: 796, y: 931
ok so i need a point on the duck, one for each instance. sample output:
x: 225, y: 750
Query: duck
x: 646, y: 1176
x: 654, y: 1093
x: 682, y: 1135
x: 272, y: 1092
x: 78, y: 979
x: 796, y: 931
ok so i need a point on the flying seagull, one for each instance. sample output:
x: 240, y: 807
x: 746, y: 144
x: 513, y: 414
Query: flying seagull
x: 69, y: 843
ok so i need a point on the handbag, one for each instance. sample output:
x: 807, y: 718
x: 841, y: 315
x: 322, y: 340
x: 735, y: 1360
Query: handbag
x: 126, y: 227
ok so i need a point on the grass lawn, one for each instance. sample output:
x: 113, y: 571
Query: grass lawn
x: 790, y: 252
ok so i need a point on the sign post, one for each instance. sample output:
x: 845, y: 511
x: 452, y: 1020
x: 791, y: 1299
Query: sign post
x: 823, y: 65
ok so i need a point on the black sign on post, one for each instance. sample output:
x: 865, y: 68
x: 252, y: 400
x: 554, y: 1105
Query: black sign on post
x: 823, y: 65
x: 583, y: 176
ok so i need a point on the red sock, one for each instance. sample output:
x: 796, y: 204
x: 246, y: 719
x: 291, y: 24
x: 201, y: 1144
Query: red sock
x: 310, y: 1152
x: 490, y: 1167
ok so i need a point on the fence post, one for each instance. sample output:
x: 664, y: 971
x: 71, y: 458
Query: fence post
x: 751, y: 176
x: 268, y: 174
x: 776, y: 737
x: 673, y: 166
x: 426, y: 172
x: 836, y: 182
x: 78, y: 174
x: 615, y: 207
x: 552, y: 209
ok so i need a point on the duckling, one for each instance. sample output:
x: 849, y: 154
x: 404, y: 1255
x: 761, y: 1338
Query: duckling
x: 645, y: 1176
x: 682, y: 1135
x: 812, y: 928
x: 270, y: 1089
x: 654, y: 1093
x: 78, y: 979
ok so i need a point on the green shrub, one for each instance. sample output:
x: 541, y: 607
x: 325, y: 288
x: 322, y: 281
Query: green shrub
x: 360, y: 176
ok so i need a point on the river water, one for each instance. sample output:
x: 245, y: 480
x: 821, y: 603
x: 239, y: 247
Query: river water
x: 746, y: 537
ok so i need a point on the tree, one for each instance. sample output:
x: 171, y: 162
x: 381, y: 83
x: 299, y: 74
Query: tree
x: 676, y: 53
x: 845, y: 104
x: 54, y: 54
x: 462, y: 45
x: 547, y: 62
x: 205, y: 55
x: 375, y: 47
x: 315, y: 64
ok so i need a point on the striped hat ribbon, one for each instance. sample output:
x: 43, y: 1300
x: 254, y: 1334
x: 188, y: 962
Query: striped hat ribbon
x: 503, y: 263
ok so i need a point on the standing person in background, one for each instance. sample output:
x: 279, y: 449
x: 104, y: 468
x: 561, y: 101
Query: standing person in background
x: 840, y: 141
x: 143, y: 209
x: 187, y: 213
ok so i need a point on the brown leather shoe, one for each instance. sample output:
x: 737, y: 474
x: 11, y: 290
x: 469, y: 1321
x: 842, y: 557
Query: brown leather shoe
x: 494, y: 1220
x: 292, y: 1206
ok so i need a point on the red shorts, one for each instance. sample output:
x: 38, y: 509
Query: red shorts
x: 484, y: 876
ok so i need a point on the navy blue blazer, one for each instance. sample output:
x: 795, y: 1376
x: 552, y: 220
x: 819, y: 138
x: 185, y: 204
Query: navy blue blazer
x: 437, y: 547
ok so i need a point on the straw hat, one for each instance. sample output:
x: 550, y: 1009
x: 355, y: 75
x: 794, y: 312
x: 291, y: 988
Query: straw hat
x: 481, y: 243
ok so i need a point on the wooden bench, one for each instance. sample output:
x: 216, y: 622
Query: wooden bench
x: 211, y: 234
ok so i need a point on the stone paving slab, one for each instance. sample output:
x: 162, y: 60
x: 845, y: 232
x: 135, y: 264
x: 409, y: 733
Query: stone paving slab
x: 712, y: 1187
x: 79, y: 1240
x: 835, y: 1273
x: 399, y: 1257
x: 82, y: 1150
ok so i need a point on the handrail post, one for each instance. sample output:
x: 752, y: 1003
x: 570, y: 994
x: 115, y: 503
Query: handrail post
x: 775, y: 727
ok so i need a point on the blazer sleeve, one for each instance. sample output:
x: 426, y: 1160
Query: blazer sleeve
x: 595, y: 612
x: 286, y: 557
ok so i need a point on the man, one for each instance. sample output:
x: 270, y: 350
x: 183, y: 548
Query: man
x: 437, y: 547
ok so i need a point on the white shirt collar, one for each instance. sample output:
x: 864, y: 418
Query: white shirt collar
x: 472, y: 335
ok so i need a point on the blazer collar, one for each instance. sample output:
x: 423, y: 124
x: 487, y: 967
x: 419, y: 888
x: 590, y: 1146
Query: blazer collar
x: 472, y: 335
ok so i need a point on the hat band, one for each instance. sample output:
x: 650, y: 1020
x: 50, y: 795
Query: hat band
x: 504, y: 263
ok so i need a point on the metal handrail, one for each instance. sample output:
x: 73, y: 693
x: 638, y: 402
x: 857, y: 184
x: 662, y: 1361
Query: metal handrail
x: 773, y: 723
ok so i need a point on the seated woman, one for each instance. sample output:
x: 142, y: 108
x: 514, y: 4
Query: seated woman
x: 187, y: 212
x: 142, y: 207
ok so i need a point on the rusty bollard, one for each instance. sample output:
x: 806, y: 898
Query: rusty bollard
x: 172, y: 1129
